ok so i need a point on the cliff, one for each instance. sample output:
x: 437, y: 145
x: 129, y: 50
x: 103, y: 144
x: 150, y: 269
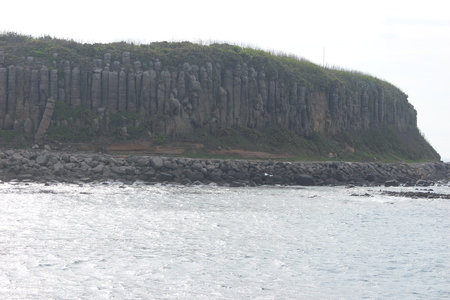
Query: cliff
x: 173, y: 89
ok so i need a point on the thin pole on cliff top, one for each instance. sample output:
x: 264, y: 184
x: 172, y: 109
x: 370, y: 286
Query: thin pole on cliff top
x: 323, y: 61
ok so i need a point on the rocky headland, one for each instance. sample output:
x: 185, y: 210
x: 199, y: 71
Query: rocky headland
x: 44, y: 165
x: 52, y: 89
x: 222, y: 97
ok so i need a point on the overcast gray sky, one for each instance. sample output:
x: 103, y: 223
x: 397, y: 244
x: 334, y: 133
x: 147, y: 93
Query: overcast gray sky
x: 404, y: 42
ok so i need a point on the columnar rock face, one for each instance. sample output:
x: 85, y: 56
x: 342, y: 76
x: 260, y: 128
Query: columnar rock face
x: 46, y: 119
x: 3, y: 95
x: 2, y: 57
x: 175, y: 99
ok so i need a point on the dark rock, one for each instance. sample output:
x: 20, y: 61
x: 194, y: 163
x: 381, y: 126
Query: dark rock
x: 157, y: 163
x: 185, y: 181
x: 165, y: 177
x: 370, y: 178
x: 23, y: 177
x: 306, y: 180
x: 98, y: 169
x: 119, y: 170
x: 392, y: 182
x: 237, y: 184
x: 422, y: 182
x: 196, y: 176
x: 130, y: 170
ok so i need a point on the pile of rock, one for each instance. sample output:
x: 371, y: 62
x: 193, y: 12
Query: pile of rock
x: 45, y: 165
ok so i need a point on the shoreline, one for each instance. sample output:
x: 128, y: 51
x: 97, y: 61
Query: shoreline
x: 38, y: 165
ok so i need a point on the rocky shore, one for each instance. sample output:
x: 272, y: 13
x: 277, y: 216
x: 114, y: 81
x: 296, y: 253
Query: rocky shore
x: 44, y: 165
x: 427, y: 195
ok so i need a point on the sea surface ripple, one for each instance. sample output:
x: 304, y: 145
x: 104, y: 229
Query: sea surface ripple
x: 116, y: 241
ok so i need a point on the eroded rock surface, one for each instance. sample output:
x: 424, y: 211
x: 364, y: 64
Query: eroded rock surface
x: 207, y: 95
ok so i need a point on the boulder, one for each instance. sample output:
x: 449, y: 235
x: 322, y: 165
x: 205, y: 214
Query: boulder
x: 58, y: 167
x: 42, y: 159
x: 237, y: 184
x: 165, y: 177
x: 370, y: 177
x: 185, y: 181
x: 196, y: 176
x: 98, y: 169
x: 305, y: 179
x: 156, y: 162
x: 392, y: 182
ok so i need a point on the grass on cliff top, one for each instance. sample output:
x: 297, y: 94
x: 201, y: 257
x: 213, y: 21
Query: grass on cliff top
x: 292, y: 69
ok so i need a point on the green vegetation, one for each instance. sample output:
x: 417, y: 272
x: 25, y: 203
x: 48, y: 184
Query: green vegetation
x: 45, y: 49
x: 67, y: 134
x: 388, y: 144
x: 375, y: 145
x: 289, y: 68
x: 384, y: 144
x: 13, y: 139
x: 159, y: 140
x: 7, y: 134
x: 63, y: 111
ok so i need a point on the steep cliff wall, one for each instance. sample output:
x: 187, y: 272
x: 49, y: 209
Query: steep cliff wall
x: 171, y: 89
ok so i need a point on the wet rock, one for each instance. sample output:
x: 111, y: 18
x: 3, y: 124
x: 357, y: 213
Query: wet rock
x: 427, y: 195
x: 69, y: 167
x: 196, y: 176
x: 422, y: 182
x: 237, y: 184
x: 305, y: 179
x: 392, y: 182
x: 185, y: 181
x: 165, y: 177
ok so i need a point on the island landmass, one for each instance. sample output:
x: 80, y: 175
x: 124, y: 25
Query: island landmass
x: 182, y: 111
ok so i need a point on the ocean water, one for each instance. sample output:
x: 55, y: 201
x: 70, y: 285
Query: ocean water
x: 120, y: 241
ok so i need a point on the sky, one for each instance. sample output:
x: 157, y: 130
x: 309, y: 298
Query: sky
x: 406, y: 43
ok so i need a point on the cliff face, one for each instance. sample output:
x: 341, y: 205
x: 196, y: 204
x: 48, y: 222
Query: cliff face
x: 190, y: 95
x: 172, y: 89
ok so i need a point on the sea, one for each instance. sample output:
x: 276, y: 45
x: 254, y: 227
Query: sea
x: 113, y: 240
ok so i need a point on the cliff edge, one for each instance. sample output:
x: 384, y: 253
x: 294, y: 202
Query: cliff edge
x: 221, y: 96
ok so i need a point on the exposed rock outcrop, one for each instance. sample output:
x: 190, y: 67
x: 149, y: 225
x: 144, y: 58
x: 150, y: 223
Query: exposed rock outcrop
x: 46, y: 119
x: 176, y: 98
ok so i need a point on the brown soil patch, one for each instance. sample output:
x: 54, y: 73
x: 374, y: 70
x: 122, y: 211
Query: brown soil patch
x: 248, y: 154
x: 171, y: 149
